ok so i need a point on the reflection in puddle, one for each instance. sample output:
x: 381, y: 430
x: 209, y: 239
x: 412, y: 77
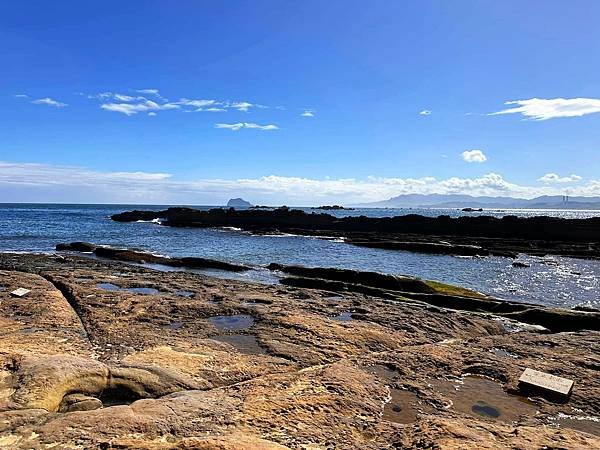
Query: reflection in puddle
x: 482, y: 397
x: 402, y: 408
x: 184, y: 293
x: 144, y: 290
x: 108, y: 287
x: 234, y: 322
x: 244, y: 343
x: 346, y: 316
x: 135, y: 290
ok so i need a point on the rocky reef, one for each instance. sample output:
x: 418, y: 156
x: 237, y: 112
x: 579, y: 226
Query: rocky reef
x: 106, y: 354
x: 467, y: 235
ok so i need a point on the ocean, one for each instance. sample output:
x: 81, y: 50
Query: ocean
x: 551, y: 280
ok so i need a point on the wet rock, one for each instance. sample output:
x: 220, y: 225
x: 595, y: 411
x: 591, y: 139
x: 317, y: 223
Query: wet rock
x: 141, y: 257
x: 520, y: 264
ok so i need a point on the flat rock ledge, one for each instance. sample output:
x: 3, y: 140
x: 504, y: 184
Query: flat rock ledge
x: 103, y: 354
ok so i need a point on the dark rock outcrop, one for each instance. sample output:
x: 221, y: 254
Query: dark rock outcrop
x: 141, y: 257
x: 467, y: 235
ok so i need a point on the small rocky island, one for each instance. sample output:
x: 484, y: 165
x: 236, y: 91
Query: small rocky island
x: 238, y: 203
x: 333, y: 208
x: 107, y: 353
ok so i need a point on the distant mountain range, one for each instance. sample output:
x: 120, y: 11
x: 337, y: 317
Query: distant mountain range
x: 469, y: 201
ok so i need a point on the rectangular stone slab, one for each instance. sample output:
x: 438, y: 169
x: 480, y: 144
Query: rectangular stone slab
x: 20, y: 292
x: 547, y: 381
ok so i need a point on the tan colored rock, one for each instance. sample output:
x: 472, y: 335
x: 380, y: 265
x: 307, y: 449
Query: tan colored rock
x: 85, y: 367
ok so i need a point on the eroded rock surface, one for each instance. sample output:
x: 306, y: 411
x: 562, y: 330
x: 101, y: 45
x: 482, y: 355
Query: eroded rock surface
x: 107, y: 355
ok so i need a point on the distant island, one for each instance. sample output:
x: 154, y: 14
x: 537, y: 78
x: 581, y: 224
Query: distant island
x: 238, y: 203
x: 474, y: 203
x: 332, y: 208
x: 468, y: 209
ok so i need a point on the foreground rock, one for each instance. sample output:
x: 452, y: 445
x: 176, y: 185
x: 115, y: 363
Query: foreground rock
x: 467, y: 235
x: 107, y: 355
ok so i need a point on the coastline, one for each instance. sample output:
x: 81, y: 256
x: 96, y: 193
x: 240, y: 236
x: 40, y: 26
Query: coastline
x: 141, y: 349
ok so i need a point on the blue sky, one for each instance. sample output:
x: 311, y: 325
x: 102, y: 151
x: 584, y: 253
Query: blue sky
x: 297, y: 102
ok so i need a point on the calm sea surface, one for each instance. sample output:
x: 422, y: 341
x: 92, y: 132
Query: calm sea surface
x: 550, y: 280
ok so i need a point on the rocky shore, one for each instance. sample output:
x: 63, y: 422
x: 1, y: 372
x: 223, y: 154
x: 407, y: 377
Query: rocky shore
x: 466, y: 236
x: 107, y: 354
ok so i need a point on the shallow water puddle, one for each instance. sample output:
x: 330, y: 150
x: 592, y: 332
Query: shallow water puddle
x: 108, y: 287
x: 346, y: 316
x: 135, y: 290
x: 503, y: 353
x: 245, y: 343
x: 184, y: 293
x: 234, y: 322
x: 482, y: 397
x: 402, y: 408
x: 143, y: 290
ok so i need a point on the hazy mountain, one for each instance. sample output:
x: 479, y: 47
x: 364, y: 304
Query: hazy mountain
x: 464, y: 201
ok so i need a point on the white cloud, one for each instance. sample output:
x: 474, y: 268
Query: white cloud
x: 50, y: 102
x: 196, y: 103
x: 308, y: 113
x: 130, y: 109
x: 425, y: 112
x: 127, y: 98
x: 240, y: 106
x: 62, y: 183
x: 21, y: 96
x: 149, y: 92
x: 554, y: 178
x: 544, y: 109
x: 238, y: 126
x: 474, y: 156
x: 152, y: 114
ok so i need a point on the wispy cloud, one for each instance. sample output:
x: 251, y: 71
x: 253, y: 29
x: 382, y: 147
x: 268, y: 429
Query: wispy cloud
x: 149, y: 92
x: 133, y: 104
x: 425, y: 112
x: 473, y: 156
x: 308, y: 113
x: 544, y: 109
x: 240, y: 125
x: 148, y: 187
x: 554, y: 178
x: 44, y: 101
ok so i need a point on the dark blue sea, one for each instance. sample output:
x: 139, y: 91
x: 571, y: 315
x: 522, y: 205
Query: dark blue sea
x: 550, y: 280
